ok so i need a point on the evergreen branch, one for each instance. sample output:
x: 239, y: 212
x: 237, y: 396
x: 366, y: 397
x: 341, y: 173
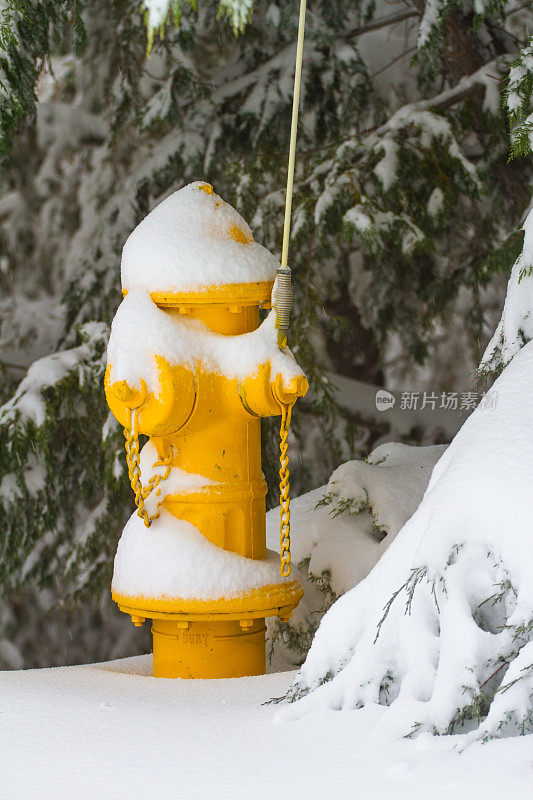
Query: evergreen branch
x: 468, y: 86
x: 235, y: 87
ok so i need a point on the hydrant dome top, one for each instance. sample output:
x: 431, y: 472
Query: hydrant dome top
x: 193, y: 241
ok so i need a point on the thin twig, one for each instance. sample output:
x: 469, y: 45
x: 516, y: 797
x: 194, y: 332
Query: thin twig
x: 382, y: 22
x: 392, y: 62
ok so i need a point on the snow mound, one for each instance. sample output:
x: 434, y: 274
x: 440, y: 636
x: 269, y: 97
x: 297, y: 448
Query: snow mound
x: 339, y: 549
x: 390, y: 484
x: 187, y: 341
x: 441, y: 630
x: 193, y: 240
x: 341, y: 530
x: 173, y: 559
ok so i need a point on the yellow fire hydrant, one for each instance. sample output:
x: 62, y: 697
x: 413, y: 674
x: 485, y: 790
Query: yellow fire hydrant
x: 193, y: 558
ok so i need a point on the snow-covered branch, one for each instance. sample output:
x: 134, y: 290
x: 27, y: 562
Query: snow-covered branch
x: 484, y: 79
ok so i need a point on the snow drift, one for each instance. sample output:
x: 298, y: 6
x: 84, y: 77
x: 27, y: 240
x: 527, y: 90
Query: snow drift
x: 442, y: 628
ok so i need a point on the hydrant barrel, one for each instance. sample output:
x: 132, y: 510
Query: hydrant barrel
x: 223, y: 442
x: 208, y: 649
x: 196, y: 381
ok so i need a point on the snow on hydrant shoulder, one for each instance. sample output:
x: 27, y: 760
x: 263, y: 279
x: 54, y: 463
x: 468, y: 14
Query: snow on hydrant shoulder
x: 191, y: 240
x: 191, y: 367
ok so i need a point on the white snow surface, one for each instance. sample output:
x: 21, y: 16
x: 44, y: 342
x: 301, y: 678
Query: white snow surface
x: 470, y: 540
x: 109, y: 730
x: 516, y: 324
x: 173, y: 559
x: 185, y: 244
x: 141, y: 330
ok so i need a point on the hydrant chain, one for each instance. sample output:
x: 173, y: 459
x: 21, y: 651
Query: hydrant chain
x: 284, y: 496
x: 134, y: 470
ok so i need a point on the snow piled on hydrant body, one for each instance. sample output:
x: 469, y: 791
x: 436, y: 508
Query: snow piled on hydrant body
x: 173, y: 559
x: 192, y: 240
x: 140, y: 330
x: 442, y: 628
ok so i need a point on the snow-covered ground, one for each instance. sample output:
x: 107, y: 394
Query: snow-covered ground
x: 108, y: 730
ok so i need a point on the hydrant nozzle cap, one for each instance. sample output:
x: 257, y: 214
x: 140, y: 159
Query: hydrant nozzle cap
x: 129, y: 395
x: 192, y: 242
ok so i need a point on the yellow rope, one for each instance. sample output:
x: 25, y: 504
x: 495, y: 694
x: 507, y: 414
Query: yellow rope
x: 286, y: 410
x: 294, y: 132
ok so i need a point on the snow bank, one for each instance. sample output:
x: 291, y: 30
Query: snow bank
x: 345, y: 526
x: 140, y: 330
x: 440, y: 629
x: 193, y: 240
x: 173, y: 559
x: 340, y: 531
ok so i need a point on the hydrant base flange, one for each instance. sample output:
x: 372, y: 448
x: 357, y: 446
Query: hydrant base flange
x: 265, y: 601
x: 202, y: 638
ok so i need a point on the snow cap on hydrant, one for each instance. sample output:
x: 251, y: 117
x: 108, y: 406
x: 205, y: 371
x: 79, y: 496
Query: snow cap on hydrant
x: 191, y: 367
x: 193, y: 240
